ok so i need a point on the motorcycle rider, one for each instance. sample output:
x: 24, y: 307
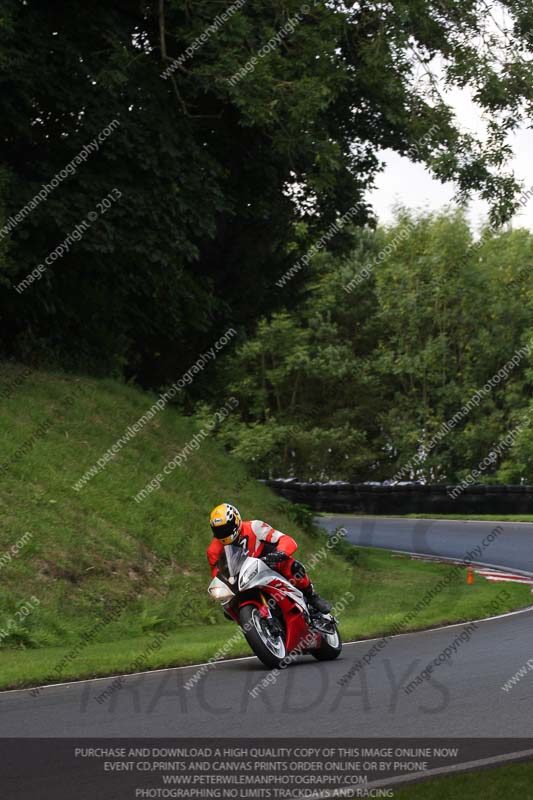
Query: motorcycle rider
x: 260, y: 540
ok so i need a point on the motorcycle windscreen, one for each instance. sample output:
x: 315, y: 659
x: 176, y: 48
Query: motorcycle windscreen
x: 235, y: 558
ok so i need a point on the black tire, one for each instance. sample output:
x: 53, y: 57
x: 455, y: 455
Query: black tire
x: 328, y: 650
x: 249, y: 618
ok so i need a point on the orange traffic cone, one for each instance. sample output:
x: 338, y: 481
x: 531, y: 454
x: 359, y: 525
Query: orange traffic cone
x: 470, y: 576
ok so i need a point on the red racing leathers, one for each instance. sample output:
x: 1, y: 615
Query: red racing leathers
x: 259, y: 538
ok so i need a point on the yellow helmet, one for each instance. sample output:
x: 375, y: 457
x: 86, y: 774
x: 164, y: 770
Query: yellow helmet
x: 225, y: 523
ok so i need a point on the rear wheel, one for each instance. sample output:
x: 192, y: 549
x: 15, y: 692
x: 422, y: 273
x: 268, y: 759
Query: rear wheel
x: 268, y: 646
x: 330, y: 647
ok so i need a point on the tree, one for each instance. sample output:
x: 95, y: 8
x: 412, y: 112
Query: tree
x: 215, y: 170
x: 373, y: 376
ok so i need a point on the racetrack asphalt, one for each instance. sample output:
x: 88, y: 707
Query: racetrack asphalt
x: 462, y: 698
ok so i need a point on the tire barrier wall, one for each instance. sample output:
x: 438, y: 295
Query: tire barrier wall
x: 407, y: 499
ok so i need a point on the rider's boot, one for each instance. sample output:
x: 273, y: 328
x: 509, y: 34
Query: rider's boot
x: 316, y: 601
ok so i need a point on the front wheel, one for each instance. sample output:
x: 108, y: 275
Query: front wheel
x: 268, y: 646
x: 330, y: 647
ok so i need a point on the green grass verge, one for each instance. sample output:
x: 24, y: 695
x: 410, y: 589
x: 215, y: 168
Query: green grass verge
x: 479, y: 517
x: 385, y: 589
x: 88, y: 552
x: 491, y: 784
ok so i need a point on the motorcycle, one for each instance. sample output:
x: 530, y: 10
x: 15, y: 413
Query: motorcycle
x: 273, y: 614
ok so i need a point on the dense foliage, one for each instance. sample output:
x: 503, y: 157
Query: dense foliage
x: 390, y: 344
x: 223, y: 182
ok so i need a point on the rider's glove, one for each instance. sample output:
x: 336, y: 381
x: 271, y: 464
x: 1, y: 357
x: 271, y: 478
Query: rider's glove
x: 273, y: 559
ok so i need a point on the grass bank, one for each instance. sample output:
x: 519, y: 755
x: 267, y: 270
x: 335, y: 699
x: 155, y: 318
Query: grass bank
x: 384, y: 590
x: 492, y: 784
x: 93, y: 582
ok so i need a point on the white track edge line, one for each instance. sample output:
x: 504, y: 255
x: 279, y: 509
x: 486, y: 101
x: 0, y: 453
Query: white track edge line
x: 416, y: 777
x: 45, y: 686
x: 457, y: 561
x: 75, y: 683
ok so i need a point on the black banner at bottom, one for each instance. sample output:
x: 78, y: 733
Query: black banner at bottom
x: 277, y: 769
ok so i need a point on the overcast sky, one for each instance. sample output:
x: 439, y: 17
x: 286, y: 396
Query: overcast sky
x: 413, y: 186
